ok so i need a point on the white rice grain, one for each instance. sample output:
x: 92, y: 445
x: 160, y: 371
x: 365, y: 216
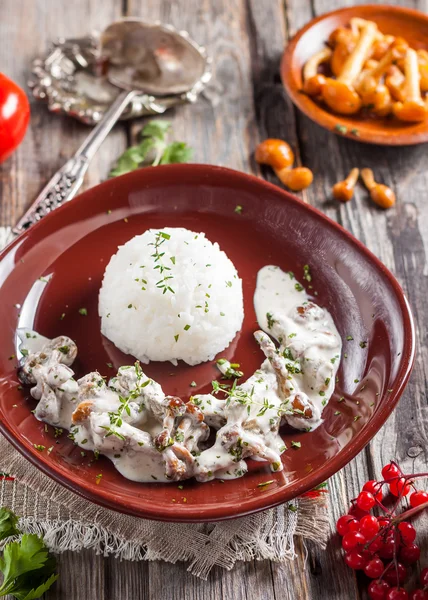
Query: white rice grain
x: 170, y: 295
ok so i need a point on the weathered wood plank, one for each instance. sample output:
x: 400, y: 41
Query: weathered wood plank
x: 26, y: 29
x: 220, y: 125
x: 399, y: 238
x: 245, y: 104
x: 81, y: 576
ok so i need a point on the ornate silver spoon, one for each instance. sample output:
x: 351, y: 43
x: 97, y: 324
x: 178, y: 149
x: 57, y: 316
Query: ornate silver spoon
x: 155, y: 60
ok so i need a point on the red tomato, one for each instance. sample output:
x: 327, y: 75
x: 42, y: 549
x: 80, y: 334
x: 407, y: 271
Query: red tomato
x: 14, y: 116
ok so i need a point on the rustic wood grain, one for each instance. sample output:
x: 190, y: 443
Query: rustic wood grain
x: 398, y: 238
x: 244, y: 104
x: 26, y: 29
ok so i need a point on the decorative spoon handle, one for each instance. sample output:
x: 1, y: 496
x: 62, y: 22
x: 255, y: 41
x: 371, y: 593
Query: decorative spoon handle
x: 66, y: 182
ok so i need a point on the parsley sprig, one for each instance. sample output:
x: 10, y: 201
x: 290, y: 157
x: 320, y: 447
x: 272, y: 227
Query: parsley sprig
x: 153, y: 150
x: 116, y: 417
x: 241, y: 396
x: 28, y: 568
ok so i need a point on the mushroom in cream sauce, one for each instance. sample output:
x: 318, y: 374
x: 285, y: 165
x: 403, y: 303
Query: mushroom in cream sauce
x: 150, y: 436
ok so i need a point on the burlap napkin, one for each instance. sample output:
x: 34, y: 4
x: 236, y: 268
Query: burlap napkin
x: 68, y: 522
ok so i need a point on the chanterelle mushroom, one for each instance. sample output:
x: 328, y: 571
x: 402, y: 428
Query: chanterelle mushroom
x: 340, y: 94
x: 413, y: 108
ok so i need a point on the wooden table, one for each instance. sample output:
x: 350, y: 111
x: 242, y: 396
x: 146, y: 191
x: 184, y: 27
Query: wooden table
x: 245, y: 104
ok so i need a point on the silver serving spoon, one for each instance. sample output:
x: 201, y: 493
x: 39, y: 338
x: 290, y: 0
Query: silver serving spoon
x: 140, y: 57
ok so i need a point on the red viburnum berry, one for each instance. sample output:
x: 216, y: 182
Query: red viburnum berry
x: 390, y: 471
x: 418, y: 498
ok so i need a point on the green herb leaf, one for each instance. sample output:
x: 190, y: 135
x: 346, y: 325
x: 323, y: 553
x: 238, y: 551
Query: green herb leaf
x: 27, y: 567
x: 152, y: 150
x: 176, y: 152
x: 8, y: 523
x: 156, y: 129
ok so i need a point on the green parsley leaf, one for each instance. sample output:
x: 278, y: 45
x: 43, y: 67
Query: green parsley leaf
x: 27, y: 567
x: 176, y: 152
x: 8, y: 523
x: 152, y: 150
x: 156, y: 128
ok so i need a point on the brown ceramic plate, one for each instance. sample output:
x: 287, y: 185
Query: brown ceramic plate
x: 393, y: 20
x: 70, y: 249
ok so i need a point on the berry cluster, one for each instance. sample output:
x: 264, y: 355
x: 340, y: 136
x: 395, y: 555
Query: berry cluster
x: 383, y: 546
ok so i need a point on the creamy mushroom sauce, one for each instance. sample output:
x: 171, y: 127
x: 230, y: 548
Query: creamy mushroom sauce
x: 153, y: 437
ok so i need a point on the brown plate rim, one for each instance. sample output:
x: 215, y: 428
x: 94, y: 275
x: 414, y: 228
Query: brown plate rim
x: 191, y: 513
x: 328, y: 120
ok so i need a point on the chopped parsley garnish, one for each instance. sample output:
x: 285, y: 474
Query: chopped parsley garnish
x: 306, y: 273
x: 238, y: 209
x: 270, y: 320
x: 296, y: 444
x: 186, y: 327
x: 83, y: 311
x: 265, y: 483
x: 176, y: 337
x: 39, y: 447
x: 363, y: 344
x: 299, y: 287
x: 64, y: 349
x: 193, y: 384
x: 24, y: 352
x: 229, y: 283
x: 349, y: 338
x: 341, y: 128
x: 110, y: 366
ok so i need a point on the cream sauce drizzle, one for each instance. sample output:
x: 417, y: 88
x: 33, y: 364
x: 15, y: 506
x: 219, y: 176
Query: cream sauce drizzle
x: 152, y: 437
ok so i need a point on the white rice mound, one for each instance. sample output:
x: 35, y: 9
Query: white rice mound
x: 192, y: 316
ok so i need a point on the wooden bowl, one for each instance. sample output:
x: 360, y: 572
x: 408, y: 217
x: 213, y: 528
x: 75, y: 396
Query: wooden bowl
x: 69, y: 250
x: 394, y: 20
